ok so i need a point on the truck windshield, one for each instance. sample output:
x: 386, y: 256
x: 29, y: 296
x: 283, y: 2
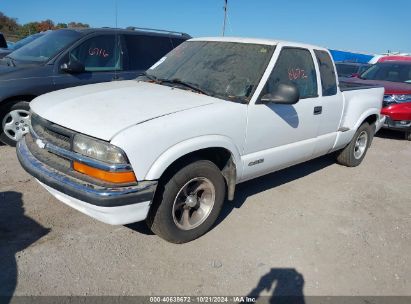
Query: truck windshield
x: 395, y: 72
x: 45, y: 47
x: 226, y: 70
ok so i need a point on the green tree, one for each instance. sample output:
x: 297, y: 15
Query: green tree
x: 78, y: 25
x: 12, y: 29
x: 28, y: 29
x: 8, y: 25
x: 61, y: 25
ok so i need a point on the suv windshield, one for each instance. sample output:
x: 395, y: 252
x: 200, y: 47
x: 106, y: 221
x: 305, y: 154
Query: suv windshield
x: 346, y: 69
x: 395, y: 72
x: 26, y: 40
x: 45, y: 47
x: 225, y: 70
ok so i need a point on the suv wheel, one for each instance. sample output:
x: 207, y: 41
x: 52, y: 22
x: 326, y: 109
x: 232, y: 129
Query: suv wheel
x: 189, y: 203
x: 15, y: 122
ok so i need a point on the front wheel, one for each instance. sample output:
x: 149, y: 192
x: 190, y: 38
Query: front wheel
x: 408, y: 135
x: 188, y: 204
x: 353, y: 154
x: 15, y: 122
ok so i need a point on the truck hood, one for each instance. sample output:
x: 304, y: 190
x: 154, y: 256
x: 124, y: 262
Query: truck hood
x: 390, y: 86
x: 105, y: 109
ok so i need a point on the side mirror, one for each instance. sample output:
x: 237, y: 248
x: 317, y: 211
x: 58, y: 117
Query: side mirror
x: 72, y: 67
x: 284, y: 94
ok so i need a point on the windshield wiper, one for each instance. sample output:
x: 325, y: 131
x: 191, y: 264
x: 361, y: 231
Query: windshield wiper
x: 189, y: 85
x: 151, y: 77
x: 11, y: 60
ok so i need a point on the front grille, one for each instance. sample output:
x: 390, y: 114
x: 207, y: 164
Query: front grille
x: 56, y: 162
x: 53, y: 133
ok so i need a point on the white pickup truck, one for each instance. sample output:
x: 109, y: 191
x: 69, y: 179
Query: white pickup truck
x: 170, y: 146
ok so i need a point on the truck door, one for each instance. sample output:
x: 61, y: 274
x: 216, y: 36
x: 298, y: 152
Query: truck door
x: 331, y: 102
x: 102, y: 60
x: 281, y: 135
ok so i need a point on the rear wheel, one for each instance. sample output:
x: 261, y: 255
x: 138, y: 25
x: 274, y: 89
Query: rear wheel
x: 15, y: 122
x: 353, y: 154
x: 187, y: 205
x: 408, y: 135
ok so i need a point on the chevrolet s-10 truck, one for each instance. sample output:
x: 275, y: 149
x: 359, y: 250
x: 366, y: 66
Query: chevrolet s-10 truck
x: 170, y: 146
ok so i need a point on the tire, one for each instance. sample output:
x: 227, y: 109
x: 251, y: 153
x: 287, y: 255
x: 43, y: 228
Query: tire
x: 178, y: 218
x: 353, y: 154
x: 14, y: 122
x: 408, y: 135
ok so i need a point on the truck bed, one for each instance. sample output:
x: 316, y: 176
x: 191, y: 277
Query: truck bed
x: 359, y: 102
x: 350, y: 86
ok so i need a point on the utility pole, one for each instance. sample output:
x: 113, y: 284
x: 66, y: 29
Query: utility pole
x: 225, y: 15
x: 116, y: 11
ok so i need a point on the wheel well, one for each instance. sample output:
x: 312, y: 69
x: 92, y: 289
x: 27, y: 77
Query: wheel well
x: 18, y: 98
x: 221, y: 157
x: 372, y: 119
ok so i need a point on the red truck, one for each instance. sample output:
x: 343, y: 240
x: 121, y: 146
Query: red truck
x: 395, y: 77
x: 395, y: 58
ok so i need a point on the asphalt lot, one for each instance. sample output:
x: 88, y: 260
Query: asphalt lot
x: 314, y: 229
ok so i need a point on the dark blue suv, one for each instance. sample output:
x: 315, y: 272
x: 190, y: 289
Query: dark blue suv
x: 71, y: 57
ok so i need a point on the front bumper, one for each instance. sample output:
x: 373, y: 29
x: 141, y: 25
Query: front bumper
x: 397, y: 124
x: 110, y: 205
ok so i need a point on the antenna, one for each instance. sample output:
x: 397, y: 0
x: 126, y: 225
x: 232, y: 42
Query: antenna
x: 225, y: 15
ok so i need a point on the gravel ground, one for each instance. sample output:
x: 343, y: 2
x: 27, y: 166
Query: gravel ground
x: 314, y: 229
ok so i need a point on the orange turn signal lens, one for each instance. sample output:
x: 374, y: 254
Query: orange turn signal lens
x: 111, y: 177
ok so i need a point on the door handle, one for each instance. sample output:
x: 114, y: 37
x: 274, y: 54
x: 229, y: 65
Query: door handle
x: 318, y: 110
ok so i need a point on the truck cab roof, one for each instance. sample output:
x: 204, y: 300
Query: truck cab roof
x: 265, y: 41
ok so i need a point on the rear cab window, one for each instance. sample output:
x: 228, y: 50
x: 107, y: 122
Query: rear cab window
x: 327, y: 73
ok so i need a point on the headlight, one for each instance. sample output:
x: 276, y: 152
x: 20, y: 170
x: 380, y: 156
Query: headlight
x: 388, y: 99
x: 98, y: 149
x: 402, y: 98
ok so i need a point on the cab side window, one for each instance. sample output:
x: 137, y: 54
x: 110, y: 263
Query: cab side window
x: 99, y: 53
x: 294, y: 66
x: 327, y: 72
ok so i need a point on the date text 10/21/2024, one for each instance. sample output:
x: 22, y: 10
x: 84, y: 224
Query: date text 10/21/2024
x: 202, y: 299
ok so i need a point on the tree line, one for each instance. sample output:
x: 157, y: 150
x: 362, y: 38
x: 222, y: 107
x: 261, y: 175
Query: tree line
x: 12, y: 30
